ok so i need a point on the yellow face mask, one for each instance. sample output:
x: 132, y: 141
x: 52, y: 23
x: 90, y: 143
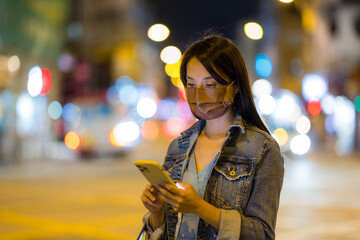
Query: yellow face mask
x: 210, y: 103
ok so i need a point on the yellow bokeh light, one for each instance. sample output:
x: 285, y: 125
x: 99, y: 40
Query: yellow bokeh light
x: 173, y: 70
x: 176, y: 82
x: 158, y: 32
x: 72, y: 140
x: 281, y: 135
x: 170, y: 55
x: 112, y: 140
x: 286, y: 1
x: 253, y: 30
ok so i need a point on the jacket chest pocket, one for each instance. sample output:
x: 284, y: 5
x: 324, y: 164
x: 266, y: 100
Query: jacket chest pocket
x: 230, y: 181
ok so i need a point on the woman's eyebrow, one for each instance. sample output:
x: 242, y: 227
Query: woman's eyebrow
x: 205, y: 78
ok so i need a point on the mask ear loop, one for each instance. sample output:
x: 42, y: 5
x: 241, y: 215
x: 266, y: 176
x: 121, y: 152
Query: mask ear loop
x: 232, y: 100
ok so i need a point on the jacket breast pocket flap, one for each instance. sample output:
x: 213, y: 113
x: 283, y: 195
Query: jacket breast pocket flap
x: 234, y: 168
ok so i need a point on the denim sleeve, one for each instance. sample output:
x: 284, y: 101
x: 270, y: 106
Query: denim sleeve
x: 158, y: 234
x: 230, y: 225
x: 259, y: 218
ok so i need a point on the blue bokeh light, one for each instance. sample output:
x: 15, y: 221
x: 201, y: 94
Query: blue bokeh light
x: 263, y: 65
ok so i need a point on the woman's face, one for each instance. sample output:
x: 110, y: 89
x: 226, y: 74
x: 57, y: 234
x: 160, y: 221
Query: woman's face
x: 198, y: 76
x: 207, y: 98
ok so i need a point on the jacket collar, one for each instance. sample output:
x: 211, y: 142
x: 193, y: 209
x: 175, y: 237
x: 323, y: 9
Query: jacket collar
x: 199, y: 125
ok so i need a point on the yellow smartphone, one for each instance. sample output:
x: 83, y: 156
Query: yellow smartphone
x: 153, y: 171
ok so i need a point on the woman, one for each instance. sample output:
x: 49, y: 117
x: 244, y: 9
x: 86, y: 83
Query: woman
x: 229, y: 170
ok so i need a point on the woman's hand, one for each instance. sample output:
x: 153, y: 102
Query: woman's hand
x: 152, y: 200
x: 182, y: 197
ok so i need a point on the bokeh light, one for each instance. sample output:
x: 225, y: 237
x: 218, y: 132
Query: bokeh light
x: 261, y: 87
x: 328, y: 104
x: 46, y: 81
x: 314, y: 107
x: 55, y: 110
x: 314, y: 86
x: 303, y: 125
x: 13, y: 63
x: 173, y: 70
x: 66, y: 62
x: 267, y: 104
x: 146, y: 107
x: 287, y: 109
x: 112, y: 95
x: 281, y: 136
x: 126, y: 133
x: 357, y: 103
x: 112, y: 139
x: 170, y: 55
x: 330, y: 124
x: 286, y: 1
x: 128, y: 91
x: 263, y: 65
x: 72, y: 140
x: 35, y: 82
x: 71, y: 112
x: 158, y: 32
x: 300, y: 144
x: 253, y: 30
x: 166, y: 109
x: 149, y: 130
x: 25, y: 109
x: 172, y: 127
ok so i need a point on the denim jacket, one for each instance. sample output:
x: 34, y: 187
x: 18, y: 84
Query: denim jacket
x: 245, y: 184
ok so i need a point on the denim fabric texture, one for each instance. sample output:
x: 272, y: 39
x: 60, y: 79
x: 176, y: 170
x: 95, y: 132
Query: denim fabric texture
x: 245, y: 184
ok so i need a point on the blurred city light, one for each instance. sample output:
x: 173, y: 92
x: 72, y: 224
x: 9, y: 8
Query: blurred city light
x: 300, y: 144
x: 330, y: 124
x: 112, y: 95
x: 39, y: 81
x: 146, y: 107
x: 253, y: 30
x: 183, y: 109
x: 72, y: 140
x: 314, y: 86
x: 112, y: 139
x: 173, y: 70
x: 35, y: 82
x: 25, y: 109
x: 261, y: 87
x: 286, y: 1
x: 158, y: 32
x: 71, y: 112
x: 170, y: 55
x: 166, y: 109
x: 55, y: 110
x: 328, y: 104
x: 344, y: 121
x: 172, y: 127
x: 287, y: 109
x: 314, y: 107
x: 46, y: 81
x: 128, y: 91
x: 303, y: 125
x: 263, y: 65
x: 13, y: 63
x: 126, y: 133
x: 66, y: 62
x: 149, y: 130
x: 267, y: 104
x: 281, y: 136
x: 357, y: 103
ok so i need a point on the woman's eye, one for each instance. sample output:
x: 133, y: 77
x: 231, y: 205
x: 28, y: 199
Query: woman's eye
x: 190, y: 84
x: 210, y: 85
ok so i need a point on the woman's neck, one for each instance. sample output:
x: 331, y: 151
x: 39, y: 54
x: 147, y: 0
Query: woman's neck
x: 218, y: 127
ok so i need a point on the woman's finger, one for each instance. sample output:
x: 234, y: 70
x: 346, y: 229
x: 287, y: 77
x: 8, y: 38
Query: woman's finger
x: 149, y: 195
